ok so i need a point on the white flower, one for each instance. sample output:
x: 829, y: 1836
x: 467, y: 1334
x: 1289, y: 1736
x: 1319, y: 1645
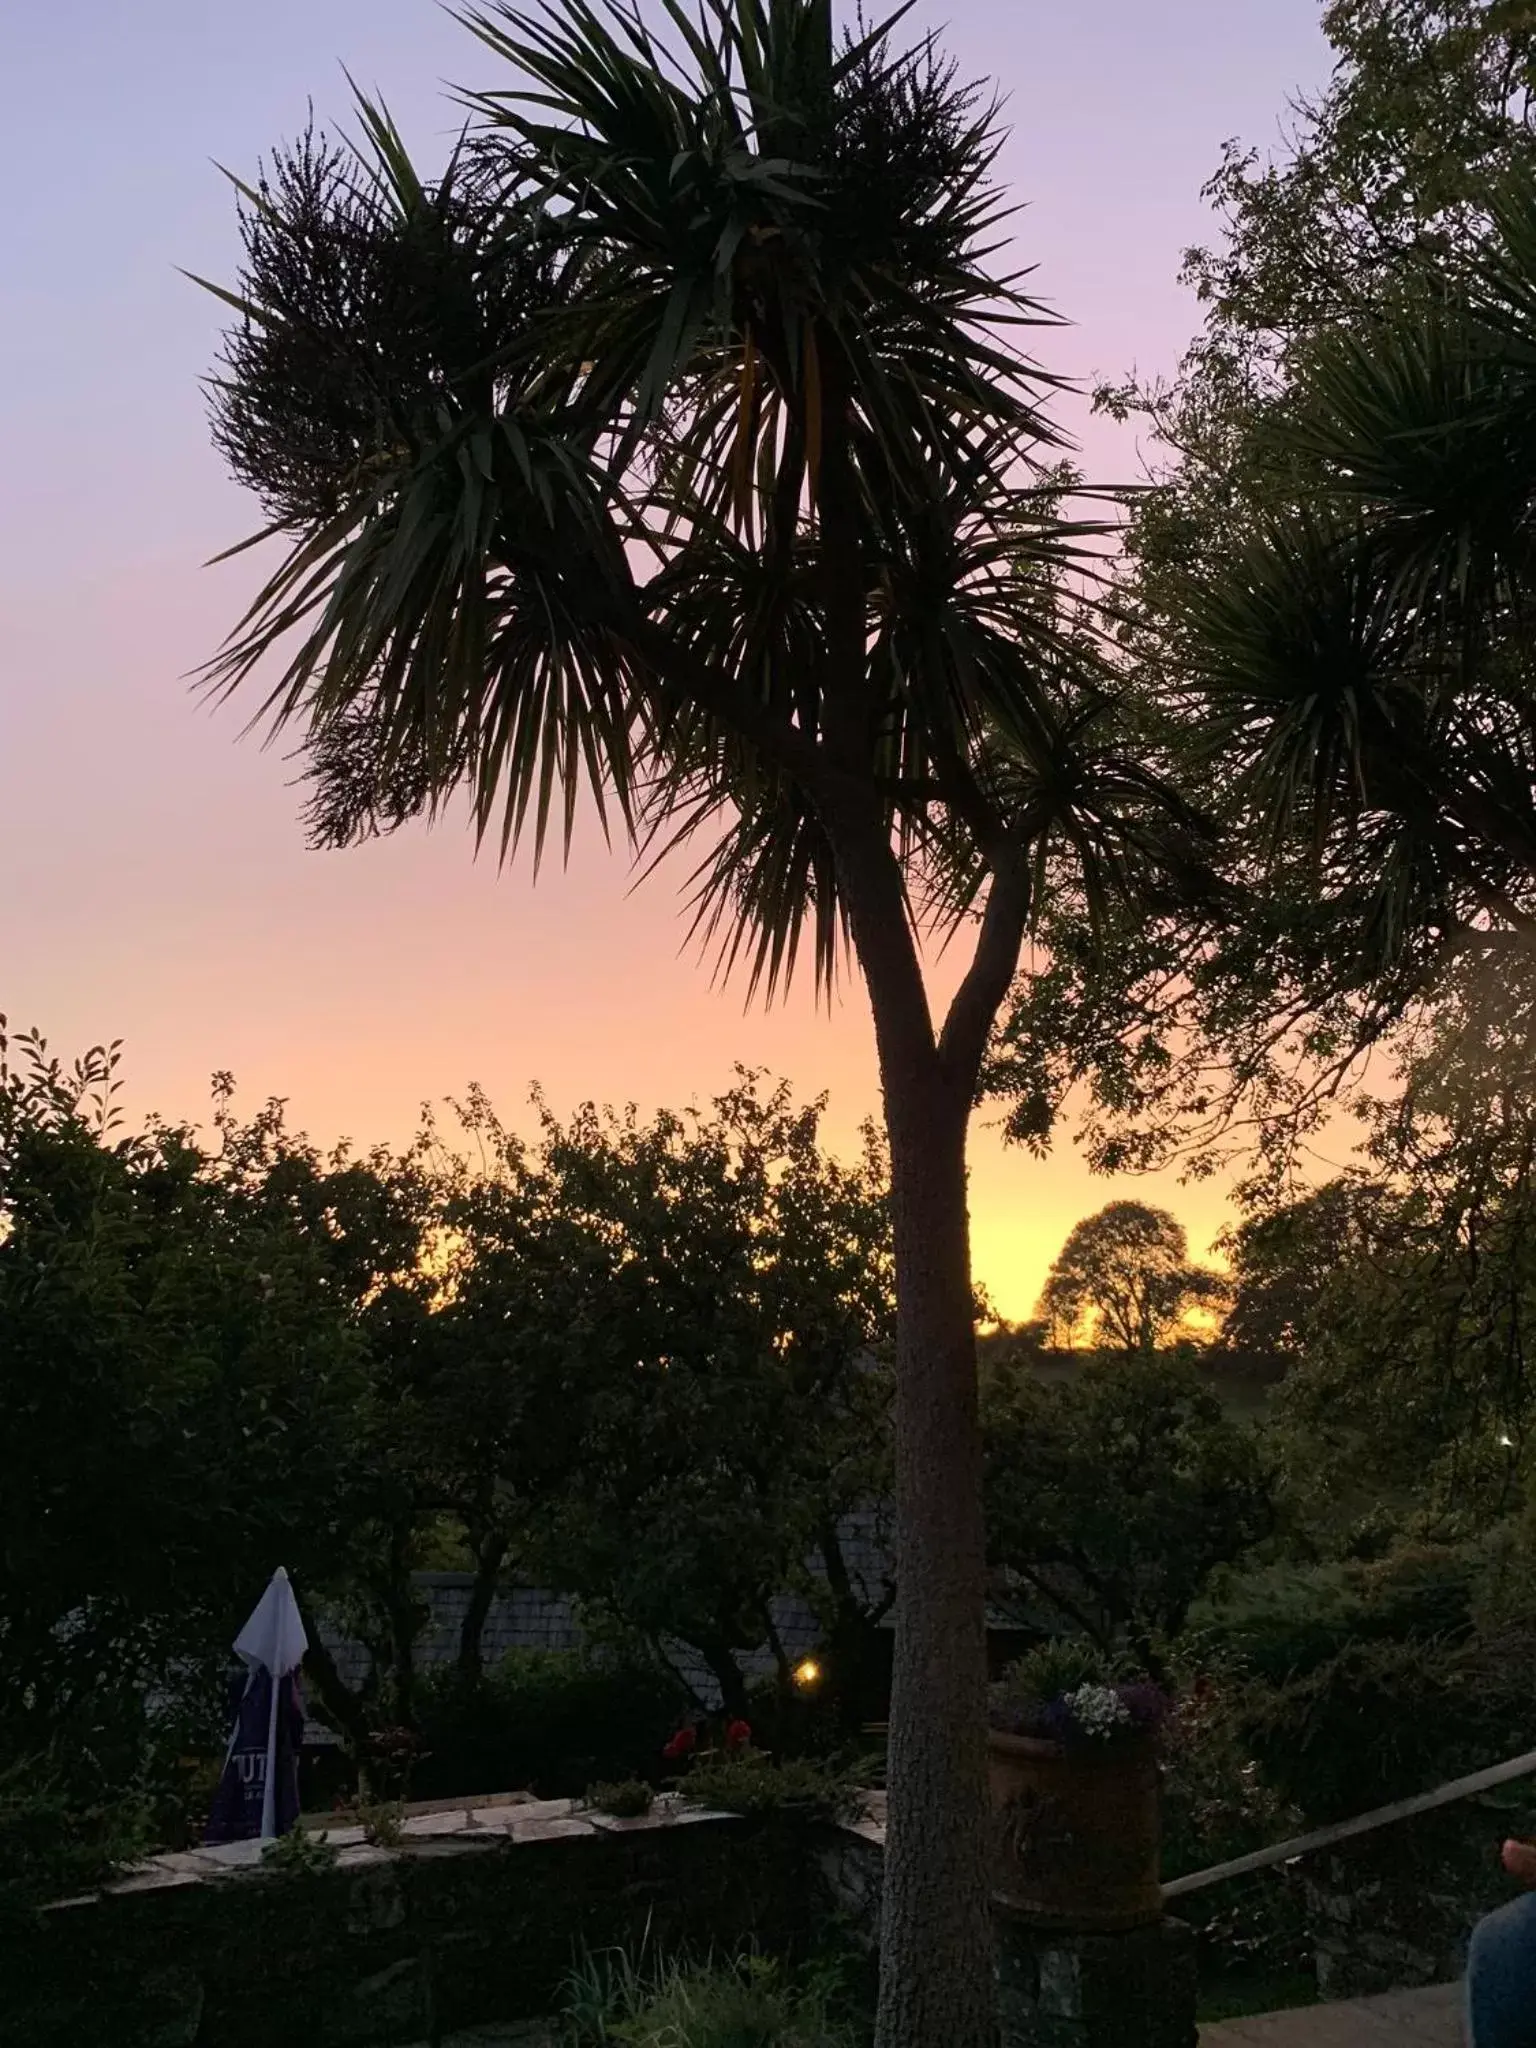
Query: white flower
x: 1098, y: 1710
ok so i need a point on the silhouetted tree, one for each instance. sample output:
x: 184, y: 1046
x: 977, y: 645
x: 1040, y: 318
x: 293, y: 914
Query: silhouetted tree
x: 1123, y: 1281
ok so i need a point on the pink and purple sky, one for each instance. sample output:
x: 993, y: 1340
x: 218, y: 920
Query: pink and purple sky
x: 157, y: 885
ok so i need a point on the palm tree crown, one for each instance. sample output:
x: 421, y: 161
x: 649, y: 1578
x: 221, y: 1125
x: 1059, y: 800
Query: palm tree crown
x: 672, y: 445
x: 1364, y: 645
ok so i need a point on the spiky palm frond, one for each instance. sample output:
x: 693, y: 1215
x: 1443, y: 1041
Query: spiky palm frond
x: 443, y: 603
x: 678, y: 430
x: 969, y: 669
x: 1359, y: 734
x: 762, y: 208
x: 1429, y: 426
x: 1364, y: 647
x: 1355, y: 627
x: 1293, y: 642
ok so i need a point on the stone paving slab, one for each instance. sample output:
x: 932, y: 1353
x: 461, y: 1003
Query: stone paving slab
x: 426, y: 1825
x: 447, y: 1828
x: 552, y: 1830
x: 226, y: 1856
x: 150, y: 1878
x: 1403, y: 2019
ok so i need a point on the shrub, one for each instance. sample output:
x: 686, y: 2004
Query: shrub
x: 1383, y: 1720
x: 1504, y: 1598
x: 299, y: 1854
x: 752, y: 2002
x: 1059, y: 1665
x: 1068, y: 1692
x: 391, y: 1759
x: 624, y: 1799
x: 552, y: 1721
x: 1288, y: 1620
x: 1217, y: 1804
x: 748, y: 1782
x: 382, y: 1823
x: 54, y: 1842
x: 1315, y: 1694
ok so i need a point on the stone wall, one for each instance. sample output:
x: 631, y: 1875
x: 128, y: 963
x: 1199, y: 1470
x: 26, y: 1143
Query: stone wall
x: 1130, y: 1990
x: 475, y: 1919
x: 1392, y: 1911
x: 849, y: 1875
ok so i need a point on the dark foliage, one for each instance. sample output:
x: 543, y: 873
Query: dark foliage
x: 1112, y: 1497
x: 372, y: 311
x: 552, y: 1722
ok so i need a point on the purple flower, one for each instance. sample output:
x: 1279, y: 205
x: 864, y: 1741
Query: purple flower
x: 1147, y: 1704
x: 1058, y: 1723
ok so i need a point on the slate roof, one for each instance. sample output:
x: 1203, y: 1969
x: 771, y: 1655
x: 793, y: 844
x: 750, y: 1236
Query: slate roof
x: 531, y: 1618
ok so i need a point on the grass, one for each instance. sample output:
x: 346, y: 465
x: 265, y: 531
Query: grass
x: 614, y: 2000
x: 749, y: 2002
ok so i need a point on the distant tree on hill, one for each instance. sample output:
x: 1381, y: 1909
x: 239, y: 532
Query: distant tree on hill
x: 1123, y: 1281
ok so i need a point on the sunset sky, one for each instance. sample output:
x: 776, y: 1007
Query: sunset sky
x: 158, y: 888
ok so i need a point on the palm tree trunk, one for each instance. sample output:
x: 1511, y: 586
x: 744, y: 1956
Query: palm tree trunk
x: 936, y: 1973
x: 936, y: 1984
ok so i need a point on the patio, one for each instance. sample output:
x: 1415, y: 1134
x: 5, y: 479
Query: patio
x: 1403, y: 2019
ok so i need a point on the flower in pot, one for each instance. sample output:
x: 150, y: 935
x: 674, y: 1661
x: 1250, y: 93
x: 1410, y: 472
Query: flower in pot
x: 1073, y: 1762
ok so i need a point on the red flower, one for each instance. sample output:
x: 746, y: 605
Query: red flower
x: 683, y: 1743
x: 738, y: 1735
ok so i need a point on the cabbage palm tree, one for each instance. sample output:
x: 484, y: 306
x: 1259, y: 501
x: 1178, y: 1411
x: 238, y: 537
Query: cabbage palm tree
x: 1361, y: 658
x: 673, y: 453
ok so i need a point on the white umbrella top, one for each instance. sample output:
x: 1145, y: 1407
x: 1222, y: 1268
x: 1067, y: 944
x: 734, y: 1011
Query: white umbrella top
x: 274, y: 1635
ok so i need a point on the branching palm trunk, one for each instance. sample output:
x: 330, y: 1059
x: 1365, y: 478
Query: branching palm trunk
x: 936, y: 1981
x: 936, y: 1977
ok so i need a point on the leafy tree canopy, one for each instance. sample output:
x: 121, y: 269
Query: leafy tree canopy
x: 1413, y: 1378
x: 1123, y: 1281
x: 180, y: 1382
x: 737, y: 1314
x: 642, y: 1362
x: 1112, y: 1496
x: 1321, y: 607
x: 1283, y: 1258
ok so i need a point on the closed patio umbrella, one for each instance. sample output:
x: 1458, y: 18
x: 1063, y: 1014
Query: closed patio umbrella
x: 258, y: 1794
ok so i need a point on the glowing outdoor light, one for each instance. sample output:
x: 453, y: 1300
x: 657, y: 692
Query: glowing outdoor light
x: 1506, y: 1441
x: 807, y: 1671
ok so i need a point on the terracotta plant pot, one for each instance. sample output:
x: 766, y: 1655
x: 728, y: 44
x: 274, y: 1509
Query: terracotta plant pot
x: 1075, y: 1832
